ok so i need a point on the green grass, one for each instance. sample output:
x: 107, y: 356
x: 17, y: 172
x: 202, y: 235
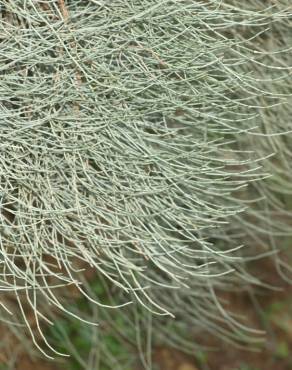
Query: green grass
x: 71, y: 336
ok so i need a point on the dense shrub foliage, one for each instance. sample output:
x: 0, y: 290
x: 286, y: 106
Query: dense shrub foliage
x: 137, y: 143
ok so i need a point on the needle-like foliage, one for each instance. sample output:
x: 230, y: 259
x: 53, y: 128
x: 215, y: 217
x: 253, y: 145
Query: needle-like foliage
x: 137, y: 139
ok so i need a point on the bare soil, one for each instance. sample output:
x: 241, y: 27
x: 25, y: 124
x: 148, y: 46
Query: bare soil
x: 269, y: 310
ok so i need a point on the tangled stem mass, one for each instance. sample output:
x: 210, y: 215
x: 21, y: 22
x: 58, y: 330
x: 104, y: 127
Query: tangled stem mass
x: 135, y: 141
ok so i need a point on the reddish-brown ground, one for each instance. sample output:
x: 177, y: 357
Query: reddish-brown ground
x: 270, y: 310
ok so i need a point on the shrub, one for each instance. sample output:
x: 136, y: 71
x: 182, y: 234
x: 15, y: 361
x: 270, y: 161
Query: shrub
x: 136, y: 143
